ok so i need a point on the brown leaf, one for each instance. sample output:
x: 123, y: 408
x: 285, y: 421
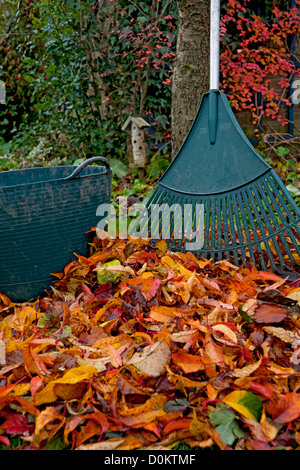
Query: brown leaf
x: 270, y: 313
x: 129, y: 386
x: 276, y: 297
x: 69, y: 392
x: 152, y: 360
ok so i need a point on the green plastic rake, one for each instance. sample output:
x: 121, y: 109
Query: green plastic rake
x: 219, y: 198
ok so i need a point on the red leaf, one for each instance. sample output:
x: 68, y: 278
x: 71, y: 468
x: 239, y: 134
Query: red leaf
x: 5, y: 441
x: 288, y: 408
x: 17, y: 424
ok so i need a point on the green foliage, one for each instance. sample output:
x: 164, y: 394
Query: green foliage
x: 77, y: 69
x: 119, y: 168
x: 282, y: 151
x: 227, y: 426
x: 158, y: 165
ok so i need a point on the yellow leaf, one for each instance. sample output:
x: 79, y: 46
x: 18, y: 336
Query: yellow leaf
x: 146, y: 275
x: 18, y: 345
x: 197, y: 428
x: 285, y: 335
x: 168, y: 261
x: 21, y: 389
x: 247, y: 370
x: 154, y: 402
x: 226, y: 331
x: 269, y: 430
x: 246, y: 403
x: 72, y: 376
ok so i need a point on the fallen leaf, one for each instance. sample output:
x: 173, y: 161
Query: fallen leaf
x: 72, y: 376
x: 288, y: 408
x: 154, y: 402
x: 270, y: 313
x: 189, y: 363
x: 246, y: 403
x: 247, y: 370
x: 152, y: 360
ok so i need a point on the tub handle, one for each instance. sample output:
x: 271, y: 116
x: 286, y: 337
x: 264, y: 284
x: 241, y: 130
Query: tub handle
x: 91, y: 160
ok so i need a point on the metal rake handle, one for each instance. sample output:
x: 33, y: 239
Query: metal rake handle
x: 214, y: 44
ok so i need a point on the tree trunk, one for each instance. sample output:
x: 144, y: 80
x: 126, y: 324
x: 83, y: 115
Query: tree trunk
x: 191, y: 72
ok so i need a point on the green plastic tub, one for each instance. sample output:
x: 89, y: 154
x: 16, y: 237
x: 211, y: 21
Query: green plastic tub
x: 45, y: 216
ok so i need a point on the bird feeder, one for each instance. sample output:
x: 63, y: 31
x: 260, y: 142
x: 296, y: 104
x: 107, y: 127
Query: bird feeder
x: 2, y: 92
x: 137, y: 126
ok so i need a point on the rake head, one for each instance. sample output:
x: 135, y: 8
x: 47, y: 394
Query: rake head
x: 259, y: 221
x: 220, y: 199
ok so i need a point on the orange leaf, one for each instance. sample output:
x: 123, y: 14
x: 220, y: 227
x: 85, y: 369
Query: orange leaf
x: 33, y: 363
x: 150, y: 287
x: 47, y: 416
x: 115, y: 358
x: 4, y: 391
x: 97, y: 424
x: 182, y: 423
x: 213, y: 351
x: 142, y: 418
x: 187, y: 362
x: 36, y: 383
x: 261, y: 275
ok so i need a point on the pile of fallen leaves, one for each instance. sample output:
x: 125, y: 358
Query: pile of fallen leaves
x: 139, y: 348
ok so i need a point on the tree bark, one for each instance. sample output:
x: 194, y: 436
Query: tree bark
x: 191, y: 71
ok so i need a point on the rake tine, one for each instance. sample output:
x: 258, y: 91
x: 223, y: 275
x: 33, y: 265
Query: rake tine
x: 283, y: 189
x: 250, y: 222
x: 260, y: 226
x: 260, y: 198
x: 213, y: 228
x: 239, y: 229
x: 269, y: 186
x: 206, y: 251
x: 179, y: 222
x: 154, y: 226
x: 172, y: 225
x: 189, y: 220
x: 290, y: 201
x: 244, y: 222
x: 272, y: 215
x: 232, y: 230
x: 225, y: 224
x: 219, y: 230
